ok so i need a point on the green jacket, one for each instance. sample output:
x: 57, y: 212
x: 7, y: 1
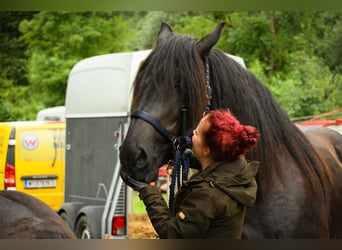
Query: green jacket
x: 211, y: 204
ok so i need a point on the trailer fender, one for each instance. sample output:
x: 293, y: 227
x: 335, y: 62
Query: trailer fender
x: 88, y: 219
x: 69, y: 212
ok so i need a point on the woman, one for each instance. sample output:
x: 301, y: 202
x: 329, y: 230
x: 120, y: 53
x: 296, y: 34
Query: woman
x: 212, y: 203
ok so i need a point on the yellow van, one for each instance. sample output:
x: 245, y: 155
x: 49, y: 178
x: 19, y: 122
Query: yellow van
x: 32, y: 159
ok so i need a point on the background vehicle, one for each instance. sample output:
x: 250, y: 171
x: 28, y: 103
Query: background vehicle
x: 97, y: 113
x: 32, y: 159
x: 51, y: 114
x: 332, y: 120
x: 163, y: 179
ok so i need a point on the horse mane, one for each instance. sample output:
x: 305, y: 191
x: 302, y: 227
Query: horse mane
x: 238, y: 90
x: 163, y: 73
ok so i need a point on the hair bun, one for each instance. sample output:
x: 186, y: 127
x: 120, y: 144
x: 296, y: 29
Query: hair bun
x: 249, y: 135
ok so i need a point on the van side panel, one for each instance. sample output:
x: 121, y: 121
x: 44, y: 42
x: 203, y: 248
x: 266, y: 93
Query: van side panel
x: 37, y: 152
x: 39, y: 164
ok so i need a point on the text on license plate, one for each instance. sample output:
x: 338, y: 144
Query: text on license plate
x: 48, y: 183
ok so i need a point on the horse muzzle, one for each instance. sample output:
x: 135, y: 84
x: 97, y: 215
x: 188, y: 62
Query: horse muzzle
x: 124, y: 175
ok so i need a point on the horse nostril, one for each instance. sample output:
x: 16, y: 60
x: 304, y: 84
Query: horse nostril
x: 141, y: 159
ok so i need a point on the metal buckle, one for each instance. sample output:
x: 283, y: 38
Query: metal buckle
x: 176, y: 143
x: 169, y: 168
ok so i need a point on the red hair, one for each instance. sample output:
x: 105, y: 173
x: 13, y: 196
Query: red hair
x: 226, y: 137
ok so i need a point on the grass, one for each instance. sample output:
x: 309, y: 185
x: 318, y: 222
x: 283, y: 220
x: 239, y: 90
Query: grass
x: 138, y: 205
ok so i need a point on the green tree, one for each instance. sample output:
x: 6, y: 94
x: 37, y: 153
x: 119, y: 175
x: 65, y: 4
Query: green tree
x: 334, y: 48
x: 13, y: 61
x: 148, y: 25
x: 12, y: 50
x: 197, y: 24
x: 57, y: 40
x: 297, y: 54
x: 287, y: 50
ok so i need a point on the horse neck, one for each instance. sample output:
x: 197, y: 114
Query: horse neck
x: 281, y: 145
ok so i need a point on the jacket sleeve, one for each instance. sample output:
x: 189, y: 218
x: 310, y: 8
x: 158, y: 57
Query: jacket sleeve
x: 191, y: 221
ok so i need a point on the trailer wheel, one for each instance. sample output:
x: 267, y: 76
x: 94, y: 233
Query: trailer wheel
x: 83, y: 228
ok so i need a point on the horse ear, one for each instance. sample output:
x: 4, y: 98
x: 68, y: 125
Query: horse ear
x: 164, y: 32
x: 207, y: 42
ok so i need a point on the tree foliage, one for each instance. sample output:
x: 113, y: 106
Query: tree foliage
x: 13, y: 81
x: 334, y: 48
x: 288, y: 49
x: 57, y: 40
x: 297, y: 54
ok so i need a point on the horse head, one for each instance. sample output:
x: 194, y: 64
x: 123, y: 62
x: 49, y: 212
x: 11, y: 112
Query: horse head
x: 170, y: 88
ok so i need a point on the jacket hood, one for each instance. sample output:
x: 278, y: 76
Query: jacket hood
x: 236, y: 179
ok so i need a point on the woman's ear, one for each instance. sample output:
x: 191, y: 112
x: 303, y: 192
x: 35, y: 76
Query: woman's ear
x: 206, y: 151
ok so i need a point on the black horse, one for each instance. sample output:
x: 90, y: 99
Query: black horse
x: 299, y: 182
x: 23, y: 216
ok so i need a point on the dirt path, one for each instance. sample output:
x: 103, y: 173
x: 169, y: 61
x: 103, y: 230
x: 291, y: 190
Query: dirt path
x: 140, y: 227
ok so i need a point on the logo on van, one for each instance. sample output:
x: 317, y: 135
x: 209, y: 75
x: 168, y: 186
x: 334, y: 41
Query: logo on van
x: 30, y: 142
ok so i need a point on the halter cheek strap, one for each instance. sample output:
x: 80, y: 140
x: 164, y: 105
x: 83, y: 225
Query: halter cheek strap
x: 154, y: 122
x: 177, y: 142
x: 180, y: 144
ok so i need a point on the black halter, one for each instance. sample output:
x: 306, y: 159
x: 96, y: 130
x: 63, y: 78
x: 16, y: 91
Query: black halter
x: 180, y: 144
x: 175, y: 141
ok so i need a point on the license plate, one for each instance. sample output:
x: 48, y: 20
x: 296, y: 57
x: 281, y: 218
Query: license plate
x: 47, y: 183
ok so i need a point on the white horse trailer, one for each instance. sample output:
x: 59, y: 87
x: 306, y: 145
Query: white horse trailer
x: 97, y: 113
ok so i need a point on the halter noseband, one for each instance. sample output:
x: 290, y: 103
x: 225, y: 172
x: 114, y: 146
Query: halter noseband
x: 179, y: 144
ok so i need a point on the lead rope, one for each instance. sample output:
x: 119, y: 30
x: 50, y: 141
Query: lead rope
x: 180, y: 164
x: 182, y: 158
x: 209, y: 90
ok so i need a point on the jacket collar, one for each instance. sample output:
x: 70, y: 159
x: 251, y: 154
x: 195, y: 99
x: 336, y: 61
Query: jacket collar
x: 229, y: 169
